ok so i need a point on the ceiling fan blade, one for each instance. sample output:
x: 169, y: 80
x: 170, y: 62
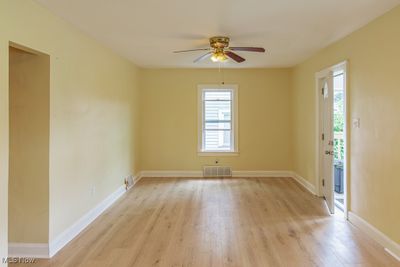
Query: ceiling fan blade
x: 234, y: 56
x: 248, y: 49
x: 202, y: 57
x: 190, y: 50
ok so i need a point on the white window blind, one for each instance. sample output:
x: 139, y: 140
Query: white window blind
x: 217, y: 120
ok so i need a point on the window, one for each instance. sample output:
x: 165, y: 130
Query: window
x: 218, y: 119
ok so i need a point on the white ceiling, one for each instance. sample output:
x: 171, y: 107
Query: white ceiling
x: 147, y: 31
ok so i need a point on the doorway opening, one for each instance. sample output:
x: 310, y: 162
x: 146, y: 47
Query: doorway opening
x: 339, y: 138
x: 29, y: 127
x: 331, y: 141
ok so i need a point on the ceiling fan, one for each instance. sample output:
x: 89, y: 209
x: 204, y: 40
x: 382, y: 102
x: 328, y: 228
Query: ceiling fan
x: 220, y: 51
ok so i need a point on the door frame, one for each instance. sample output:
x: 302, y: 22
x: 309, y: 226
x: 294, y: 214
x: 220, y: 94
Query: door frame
x: 319, y: 76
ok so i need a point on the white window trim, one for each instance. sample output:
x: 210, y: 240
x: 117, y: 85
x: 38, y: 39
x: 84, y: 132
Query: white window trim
x: 235, y: 116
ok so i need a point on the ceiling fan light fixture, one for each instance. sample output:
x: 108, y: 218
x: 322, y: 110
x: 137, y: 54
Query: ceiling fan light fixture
x: 219, y: 57
x: 214, y: 58
x: 222, y: 57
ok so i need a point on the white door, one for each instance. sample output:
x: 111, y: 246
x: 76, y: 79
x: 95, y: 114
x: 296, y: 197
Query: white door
x: 327, y: 141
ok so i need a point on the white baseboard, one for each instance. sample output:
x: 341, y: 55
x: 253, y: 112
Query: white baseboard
x: 306, y: 184
x: 196, y: 174
x: 70, y: 233
x: 28, y: 250
x: 390, y: 246
x: 261, y: 174
x: 188, y: 174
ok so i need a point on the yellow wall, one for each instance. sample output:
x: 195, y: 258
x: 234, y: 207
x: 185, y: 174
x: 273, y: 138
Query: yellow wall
x: 29, y: 93
x: 169, y: 124
x: 374, y: 55
x: 93, y: 104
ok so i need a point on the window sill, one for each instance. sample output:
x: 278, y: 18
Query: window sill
x: 218, y: 154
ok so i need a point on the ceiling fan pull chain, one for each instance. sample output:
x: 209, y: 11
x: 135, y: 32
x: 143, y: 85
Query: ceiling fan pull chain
x: 223, y: 76
x: 221, y: 71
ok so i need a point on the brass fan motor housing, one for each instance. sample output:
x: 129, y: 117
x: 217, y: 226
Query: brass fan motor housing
x: 219, y: 42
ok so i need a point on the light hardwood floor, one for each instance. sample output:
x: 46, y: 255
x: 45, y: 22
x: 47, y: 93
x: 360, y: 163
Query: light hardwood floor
x: 220, y: 222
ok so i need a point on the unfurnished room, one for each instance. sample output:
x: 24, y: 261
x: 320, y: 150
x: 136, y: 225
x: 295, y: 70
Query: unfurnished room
x: 199, y: 133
